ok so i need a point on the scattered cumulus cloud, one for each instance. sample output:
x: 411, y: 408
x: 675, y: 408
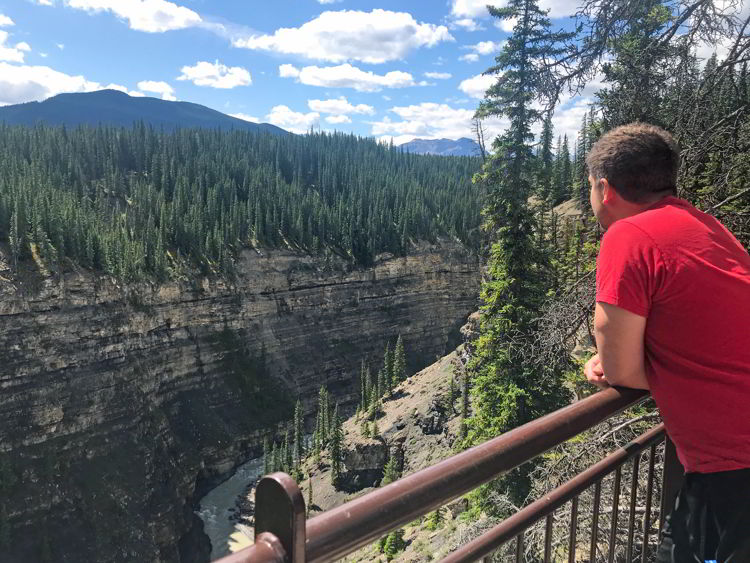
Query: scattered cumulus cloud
x: 158, y: 87
x: 152, y: 16
x: 429, y: 120
x: 338, y: 107
x: 438, y: 75
x: 469, y: 57
x: 245, y: 117
x: 296, y: 122
x: 45, y: 2
x: 347, y: 76
x: 335, y: 119
x: 329, y: 1
x: 216, y: 75
x: 288, y: 71
x: 27, y: 83
x: 5, y: 21
x: 350, y: 35
x: 477, y: 85
x: 9, y: 53
x: 61, y: 46
x: 506, y: 25
x: 485, y: 47
x: 468, y: 24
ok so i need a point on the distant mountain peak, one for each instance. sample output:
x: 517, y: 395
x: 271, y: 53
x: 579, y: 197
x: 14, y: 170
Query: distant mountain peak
x: 443, y: 147
x: 113, y: 107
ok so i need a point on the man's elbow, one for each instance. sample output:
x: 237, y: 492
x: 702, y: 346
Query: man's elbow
x: 633, y: 380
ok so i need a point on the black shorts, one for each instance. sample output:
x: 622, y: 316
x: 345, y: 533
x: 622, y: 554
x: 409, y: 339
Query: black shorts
x: 710, y: 520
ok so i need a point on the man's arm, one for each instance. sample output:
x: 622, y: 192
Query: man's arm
x: 619, y: 341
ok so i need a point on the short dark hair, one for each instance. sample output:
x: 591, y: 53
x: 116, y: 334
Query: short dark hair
x: 638, y: 159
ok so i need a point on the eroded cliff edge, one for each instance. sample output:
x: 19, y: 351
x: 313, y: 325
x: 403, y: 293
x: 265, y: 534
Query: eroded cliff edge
x: 117, y: 402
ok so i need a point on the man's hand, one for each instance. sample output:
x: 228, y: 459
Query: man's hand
x: 594, y: 372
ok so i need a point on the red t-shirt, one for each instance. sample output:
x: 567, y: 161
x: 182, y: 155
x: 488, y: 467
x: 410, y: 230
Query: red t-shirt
x: 685, y: 272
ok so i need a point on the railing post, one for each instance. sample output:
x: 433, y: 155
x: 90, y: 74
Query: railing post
x: 672, y: 477
x: 280, y: 510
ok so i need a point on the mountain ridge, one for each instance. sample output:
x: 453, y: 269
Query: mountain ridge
x: 443, y: 147
x: 113, y: 107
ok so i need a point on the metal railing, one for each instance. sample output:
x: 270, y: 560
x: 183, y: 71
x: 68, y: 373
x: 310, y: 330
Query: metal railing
x: 283, y: 534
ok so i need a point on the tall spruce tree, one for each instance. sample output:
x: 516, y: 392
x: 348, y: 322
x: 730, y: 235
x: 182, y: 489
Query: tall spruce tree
x: 508, y: 389
x: 399, y: 361
x: 299, y: 435
x: 336, y: 446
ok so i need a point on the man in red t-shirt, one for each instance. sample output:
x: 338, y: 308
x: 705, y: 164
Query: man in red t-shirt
x: 673, y: 316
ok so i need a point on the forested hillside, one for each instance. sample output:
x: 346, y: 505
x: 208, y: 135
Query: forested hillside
x: 137, y: 202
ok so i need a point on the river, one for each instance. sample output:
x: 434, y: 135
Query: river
x: 215, y: 506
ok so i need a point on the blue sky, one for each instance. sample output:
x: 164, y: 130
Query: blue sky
x: 384, y: 69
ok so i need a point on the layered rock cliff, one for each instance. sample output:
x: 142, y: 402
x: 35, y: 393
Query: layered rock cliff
x: 118, y: 405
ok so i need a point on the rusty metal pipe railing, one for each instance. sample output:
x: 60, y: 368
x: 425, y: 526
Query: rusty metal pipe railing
x: 266, y: 549
x: 346, y: 528
x: 521, y: 520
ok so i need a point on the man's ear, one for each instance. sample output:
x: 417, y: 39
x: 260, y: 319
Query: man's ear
x: 608, y: 191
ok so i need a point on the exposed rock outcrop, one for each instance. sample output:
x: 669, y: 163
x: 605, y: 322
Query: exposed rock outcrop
x: 119, y: 404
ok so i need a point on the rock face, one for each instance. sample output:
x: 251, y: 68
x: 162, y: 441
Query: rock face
x: 119, y: 405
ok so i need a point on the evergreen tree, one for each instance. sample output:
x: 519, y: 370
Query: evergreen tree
x: 391, y: 472
x: 276, y: 456
x: 435, y: 519
x: 309, y: 495
x: 508, y: 390
x: 394, y: 544
x: 336, y: 447
x: 298, y: 433
x: 399, y: 361
x: 267, y: 459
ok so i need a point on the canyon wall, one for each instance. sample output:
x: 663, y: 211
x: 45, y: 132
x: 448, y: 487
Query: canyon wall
x: 119, y: 405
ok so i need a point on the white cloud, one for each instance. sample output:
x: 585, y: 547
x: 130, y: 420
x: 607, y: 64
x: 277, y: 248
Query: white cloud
x: 288, y: 71
x: 329, y: 1
x: 216, y: 75
x: 296, y: 122
x: 43, y: 55
x: 485, y: 47
x: 11, y: 54
x: 246, y: 117
x: 506, y: 25
x: 23, y: 83
x: 477, y: 85
x: 438, y: 75
x: 339, y: 106
x: 5, y: 21
x: 158, y: 87
x: 371, y: 37
x: 468, y: 24
x: 338, y: 119
x: 153, y: 16
x: 478, y: 8
x: 45, y: 2
x: 347, y: 76
x: 430, y: 121
x: 61, y: 46
x: 469, y: 57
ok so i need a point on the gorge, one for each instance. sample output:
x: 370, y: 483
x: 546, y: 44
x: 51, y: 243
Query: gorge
x: 122, y: 404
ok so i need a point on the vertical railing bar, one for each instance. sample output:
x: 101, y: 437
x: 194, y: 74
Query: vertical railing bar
x: 615, y: 507
x: 548, y: 538
x: 673, y: 476
x: 573, y: 529
x: 595, y: 520
x: 649, y: 498
x: 633, y: 499
x: 519, y: 548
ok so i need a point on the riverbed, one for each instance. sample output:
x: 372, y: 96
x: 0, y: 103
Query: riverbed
x: 217, y: 507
